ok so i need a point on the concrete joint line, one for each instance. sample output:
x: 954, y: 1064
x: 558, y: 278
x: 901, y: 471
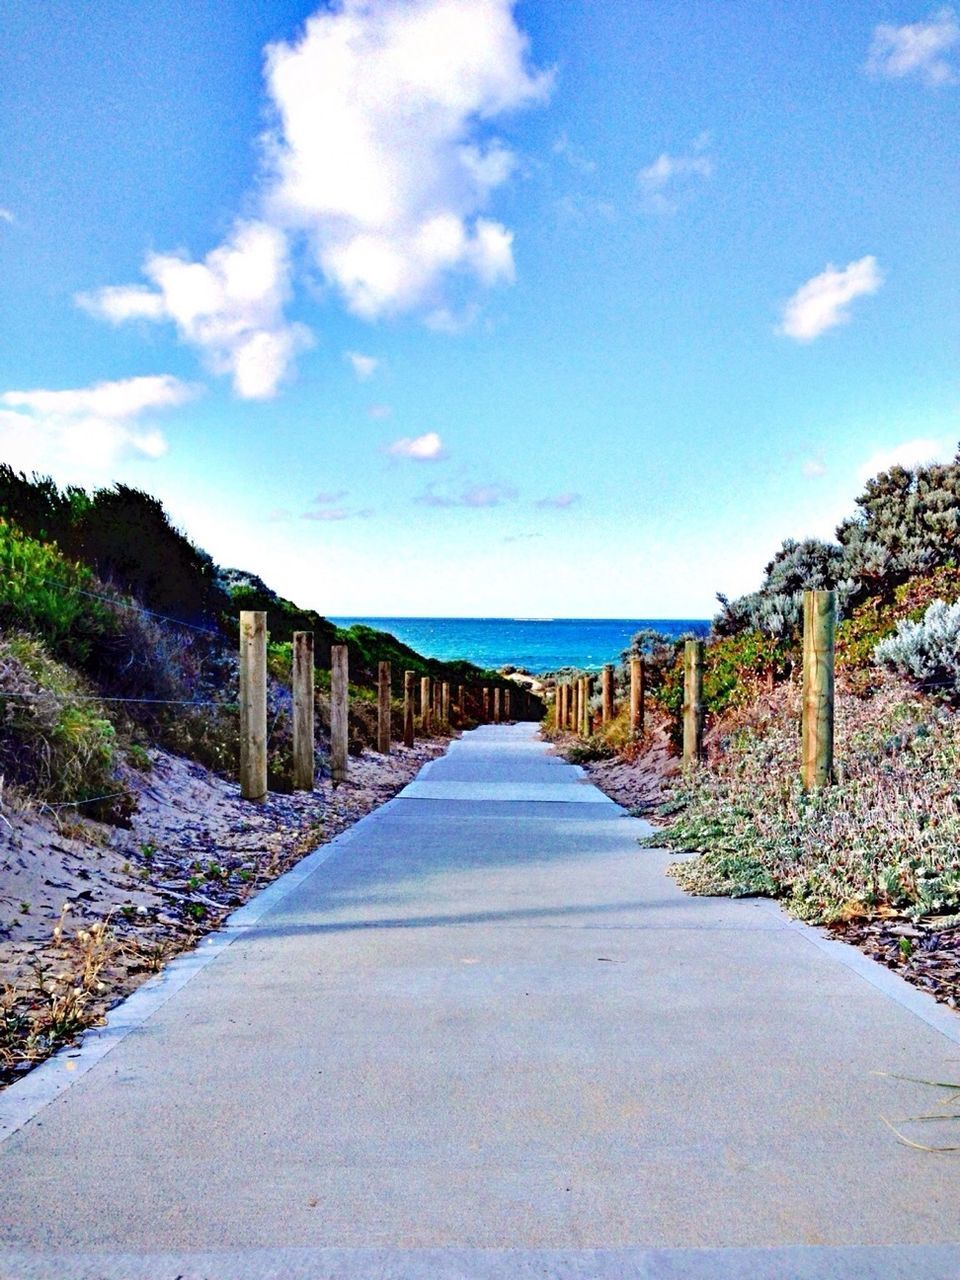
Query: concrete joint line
x: 24, y: 1099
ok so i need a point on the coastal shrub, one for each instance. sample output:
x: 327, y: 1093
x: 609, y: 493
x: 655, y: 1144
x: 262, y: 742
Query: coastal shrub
x: 927, y: 650
x: 56, y: 741
x: 885, y: 836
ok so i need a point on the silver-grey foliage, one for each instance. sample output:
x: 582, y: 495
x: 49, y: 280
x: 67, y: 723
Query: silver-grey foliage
x: 929, y: 650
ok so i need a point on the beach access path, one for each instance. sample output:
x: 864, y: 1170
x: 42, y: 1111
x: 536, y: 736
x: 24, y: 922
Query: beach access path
x: 482, y: 1035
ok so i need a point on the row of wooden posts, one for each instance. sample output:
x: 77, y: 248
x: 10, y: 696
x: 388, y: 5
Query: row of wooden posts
x: 440, y: 703
x: 817, y: 717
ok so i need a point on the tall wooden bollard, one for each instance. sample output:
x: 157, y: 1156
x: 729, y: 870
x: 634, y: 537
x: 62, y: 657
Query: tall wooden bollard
x: 339, y: 711
x: 692, y: 702
x: 506, y: 704
x: 486, y: 704
x: 569, y: 705
x: 608, y: 693
x: 496, y: 705
x: 253, y: 704
x: 445, y: 703
x: 384, y: 708
x: 576, y: 714
x: 584, y: 728
x: 819, y: 627
x: 303, y: 711
x: 409, y: 693
x: 560, y: 709
x: 425, y: 704
x: 636, y: 696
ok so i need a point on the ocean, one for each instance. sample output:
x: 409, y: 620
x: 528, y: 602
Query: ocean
x: 536, y: 644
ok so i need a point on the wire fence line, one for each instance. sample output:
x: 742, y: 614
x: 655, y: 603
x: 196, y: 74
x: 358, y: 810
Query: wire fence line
x: 128, y: 604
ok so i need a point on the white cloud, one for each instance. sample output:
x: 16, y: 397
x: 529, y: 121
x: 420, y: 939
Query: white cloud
x: 912, y: 453
x: 477, y: 496
x: 823, y: 302
x: 575, y: 155
x: 86, y: 431
x: 363, y: 366
x: 813, y: 469
x: 917, y: 48
x: 6, y: 216
x: 425, y: 448
x: 230, y: 306
x: 669, y: 178
x: 390, y: 188
x: 559, y: 502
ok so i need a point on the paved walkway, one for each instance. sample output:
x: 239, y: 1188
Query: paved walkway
x: 482, y: 1035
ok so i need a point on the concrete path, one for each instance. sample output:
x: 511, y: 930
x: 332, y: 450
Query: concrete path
x: 482, y: 1035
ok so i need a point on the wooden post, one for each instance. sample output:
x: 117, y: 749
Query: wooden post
x: 461, y: 702
x: 496, y: 705
x: 253, y: 704
x: 486, y: 704
x: 506, y: 704
x: 383, y: 708
x: 692, y: 702
x: 409, y: 690
x: 608, y: 693
x: 445, y: 703
x: 425, y: 704
x: 636, y: 696
x: 576, y: 690
x: 303, y: 708
x: 339, y: 711
x: 819, y: 625
x: 568, y: 700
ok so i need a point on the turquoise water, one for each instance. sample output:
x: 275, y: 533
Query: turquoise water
x: 536, y: 644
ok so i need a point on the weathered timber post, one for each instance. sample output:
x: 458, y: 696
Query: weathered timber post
x: 425, y: 704
x: 608, y: 693
x: 559, y: 710
x: 253, y: 704
x: 303, y: 708
x: 496, y: 705
x: 445, y: 703
x: 436, y: 704
x: 461, y: 702
x: 819, y: 626
x: 486, y: 704
x: 568, y: 705
x: 577, y: 690
x: 506, y: 704
x: 409, y: 691
x: 585, y: 725
x: 636, y: 696
x: 339, y: 711
x: 383, y: 708
x: 692, y: 702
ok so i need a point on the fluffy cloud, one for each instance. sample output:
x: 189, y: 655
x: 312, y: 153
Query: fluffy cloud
x: 669, y: 178
x: 425, y: 448
x: 912, y: 453
x: 87, y: 430
x: 391, y: 187
x: 379, y: 156
x: 230, y: 306
x: 559, y: 502
x: 823, y: 302
x: 363, y: 366
x: 917, y: 48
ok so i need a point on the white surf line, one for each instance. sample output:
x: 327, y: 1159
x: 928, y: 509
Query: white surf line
x: 23, y: 1099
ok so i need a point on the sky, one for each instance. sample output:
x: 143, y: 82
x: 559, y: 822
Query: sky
x: 480, y: 308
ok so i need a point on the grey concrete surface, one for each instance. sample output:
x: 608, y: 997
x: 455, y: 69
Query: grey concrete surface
x: 488, y: 1037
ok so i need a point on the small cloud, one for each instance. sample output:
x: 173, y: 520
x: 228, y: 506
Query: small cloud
x: 87, y: 429
x: 912, y: 453
x: 378, y: 412
x: 328, y: 513
x: 6, y: 216
x: 916, y: 48
x: 823, y: 302
x: 522, y: 537
x: 670, y: 179
x: 579, y: 209
x: 560, y: 501
x: 425, y: 448
x: 325, y: 499
x: 477, y: 496
x: 813, y: 469
x: 363, y: 366
x: 574, y: 155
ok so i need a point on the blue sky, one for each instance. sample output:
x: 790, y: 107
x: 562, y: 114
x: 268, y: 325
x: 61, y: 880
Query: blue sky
x: 466, y: 307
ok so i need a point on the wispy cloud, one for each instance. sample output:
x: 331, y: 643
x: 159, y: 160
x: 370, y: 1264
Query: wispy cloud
x: 363, y: 366
x: 425, y: 448
x: 390, y: 196
x: 328, y: 506
x: 559, y: 501
x: 917, y: 48
x: 324, y: 499
x: 574, y: 155
x: 230, y: 307
x: 813, y: 469
x: 522, y: 537
x: 87, y: 430
x: 378, y: 412
x: 477, y: 496
x: 824, y: 301
x: 912, y: 453
x: 670, y: 179
x: 6, y: 216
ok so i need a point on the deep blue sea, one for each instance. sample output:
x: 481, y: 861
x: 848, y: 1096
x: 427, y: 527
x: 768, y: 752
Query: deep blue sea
x: 536, y: 644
